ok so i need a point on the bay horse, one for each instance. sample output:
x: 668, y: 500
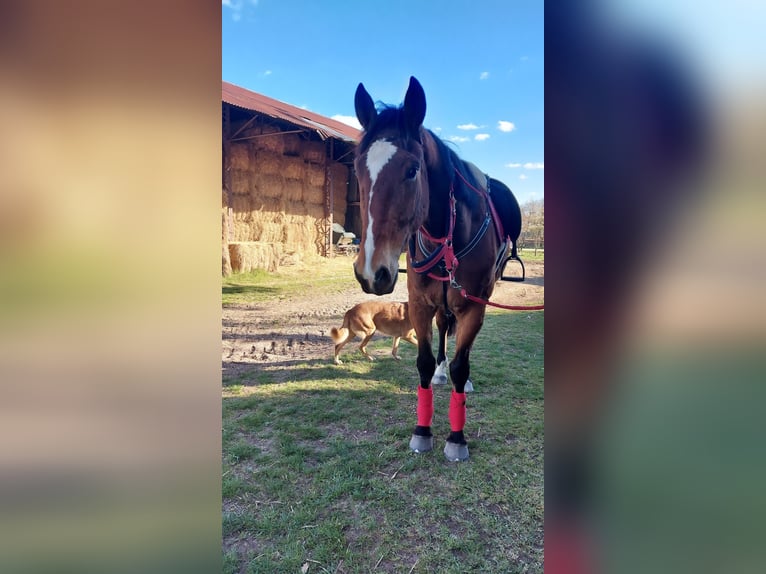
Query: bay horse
x: 458, y: 227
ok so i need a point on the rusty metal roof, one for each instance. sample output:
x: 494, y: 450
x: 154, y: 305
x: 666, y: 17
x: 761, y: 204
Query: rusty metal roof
x: 325, y: 127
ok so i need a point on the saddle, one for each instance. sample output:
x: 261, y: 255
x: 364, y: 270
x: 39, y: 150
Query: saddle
x: 508, y: 211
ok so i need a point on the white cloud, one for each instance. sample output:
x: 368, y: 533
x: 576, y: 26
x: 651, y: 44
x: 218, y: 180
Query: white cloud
x: 436, y: 130
x: 458, y: 139
x: 528, y: 165
x: 523, y: 176
x: 484, y: 75
x: 481, y: 137
x: 504, y: 126
x: 348, y: 120
x: 267, y: 73
x: 236, y: 6
x: 470, y: 126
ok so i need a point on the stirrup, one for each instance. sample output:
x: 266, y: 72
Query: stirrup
x: 503, y: 277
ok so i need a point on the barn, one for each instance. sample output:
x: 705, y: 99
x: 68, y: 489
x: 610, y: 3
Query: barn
x: 288, y: 182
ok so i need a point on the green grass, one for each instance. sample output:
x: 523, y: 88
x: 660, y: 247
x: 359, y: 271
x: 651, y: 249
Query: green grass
x: 530, y: 255
x: 317, y: 471
x: 331, y: 275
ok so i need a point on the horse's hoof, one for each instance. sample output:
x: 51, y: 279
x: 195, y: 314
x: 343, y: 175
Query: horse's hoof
x: 455, y: 452
x: 468, y: 388
x: 440, y: 374
x: 439, y: 380
x: 421, y: 443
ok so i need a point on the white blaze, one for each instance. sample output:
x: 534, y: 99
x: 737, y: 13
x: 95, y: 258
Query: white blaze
x: 379, y: 154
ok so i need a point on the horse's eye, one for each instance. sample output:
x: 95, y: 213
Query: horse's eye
x: 412, y: 172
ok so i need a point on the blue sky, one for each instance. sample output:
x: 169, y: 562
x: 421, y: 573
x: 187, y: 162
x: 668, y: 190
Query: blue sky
x: 479, y: 61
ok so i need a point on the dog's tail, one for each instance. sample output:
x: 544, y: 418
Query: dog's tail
x: 339, y: 335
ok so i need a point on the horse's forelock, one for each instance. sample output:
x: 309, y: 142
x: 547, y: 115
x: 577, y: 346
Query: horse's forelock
x: 390, y: 122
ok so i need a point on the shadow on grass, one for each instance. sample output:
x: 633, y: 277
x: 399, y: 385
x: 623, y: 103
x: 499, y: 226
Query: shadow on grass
x: 315, y: 371
x: 535, y: 281
x: 248, y: 290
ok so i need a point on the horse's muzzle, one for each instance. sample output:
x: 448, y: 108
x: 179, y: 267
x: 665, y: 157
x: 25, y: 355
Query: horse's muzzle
x: 382, y: 284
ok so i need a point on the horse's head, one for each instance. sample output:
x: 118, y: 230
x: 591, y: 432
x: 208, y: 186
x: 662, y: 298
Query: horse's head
x: 393, y: 184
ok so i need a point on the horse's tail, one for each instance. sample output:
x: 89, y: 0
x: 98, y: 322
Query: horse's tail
x: 339, y: 335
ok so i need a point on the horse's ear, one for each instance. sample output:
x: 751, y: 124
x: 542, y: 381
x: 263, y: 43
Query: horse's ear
x: 365, y: 107
x: 414, y: 106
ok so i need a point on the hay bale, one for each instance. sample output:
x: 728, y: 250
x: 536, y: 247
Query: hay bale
x: 266, y: 161
x: 292, y: 145
x: 248, y: 255
x: 241, y: 183
x: 239, y: 156
x: 292, y: 191
x: 240, y: 204
x: 315, y: 211
x: 340, y: 176
x: 313, y: 195
x: 315, y: 175
x: 299, y: 233
x: 269, y: 185
x: 294, y: 169
x: 269, y: 207
x: 314, y: 152
x: 225, y: 257
x: 274, y: 142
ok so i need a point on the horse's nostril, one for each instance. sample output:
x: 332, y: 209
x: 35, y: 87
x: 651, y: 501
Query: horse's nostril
x: 382, y: 276
x: 362, y: 281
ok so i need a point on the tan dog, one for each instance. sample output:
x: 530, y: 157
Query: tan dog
x: 366, y: 318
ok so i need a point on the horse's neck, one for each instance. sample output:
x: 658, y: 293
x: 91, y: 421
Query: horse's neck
x: 441, y: 178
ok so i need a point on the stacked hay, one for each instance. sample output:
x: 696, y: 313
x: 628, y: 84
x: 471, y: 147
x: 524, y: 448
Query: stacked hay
x: 249, y: 255
x: 225, y: 257
x: 278, y: 198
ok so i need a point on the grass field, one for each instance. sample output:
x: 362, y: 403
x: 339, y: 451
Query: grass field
x: 318, y: 477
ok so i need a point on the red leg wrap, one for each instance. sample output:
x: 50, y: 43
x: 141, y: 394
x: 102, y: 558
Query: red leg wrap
x: 425, y: 406
x: 457, y: 411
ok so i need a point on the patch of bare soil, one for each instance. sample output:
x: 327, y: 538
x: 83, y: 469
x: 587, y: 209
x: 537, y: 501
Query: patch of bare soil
x: 296, y: 330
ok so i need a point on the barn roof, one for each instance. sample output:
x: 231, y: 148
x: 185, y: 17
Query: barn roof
x: 325, y: 127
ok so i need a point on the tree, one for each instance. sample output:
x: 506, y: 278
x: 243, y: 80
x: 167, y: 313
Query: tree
x: 532, y: 225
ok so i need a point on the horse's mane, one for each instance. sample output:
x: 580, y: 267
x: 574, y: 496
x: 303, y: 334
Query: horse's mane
x: 452, y: 162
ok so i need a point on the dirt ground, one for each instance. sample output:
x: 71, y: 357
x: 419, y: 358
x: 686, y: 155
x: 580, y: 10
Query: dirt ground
x: 296, y: 330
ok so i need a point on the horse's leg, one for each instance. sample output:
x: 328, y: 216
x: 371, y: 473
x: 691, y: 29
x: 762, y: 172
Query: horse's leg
x: 470, y: 321
x: 421, y: 316
x: 442, y: 323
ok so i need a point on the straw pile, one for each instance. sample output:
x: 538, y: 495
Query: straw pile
x: 278, y: 200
